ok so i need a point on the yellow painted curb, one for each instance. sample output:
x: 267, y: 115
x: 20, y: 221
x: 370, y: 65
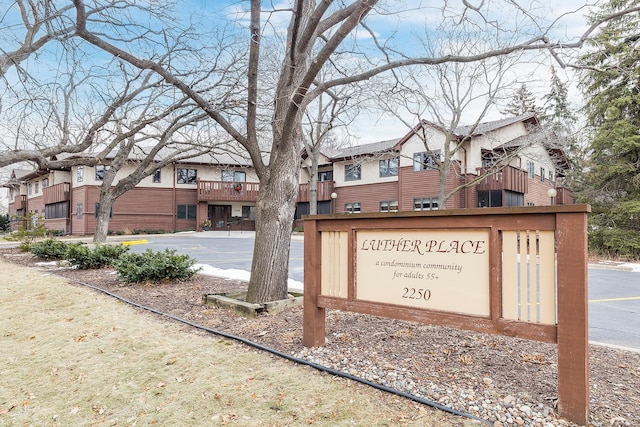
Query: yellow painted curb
x: 134, y: 242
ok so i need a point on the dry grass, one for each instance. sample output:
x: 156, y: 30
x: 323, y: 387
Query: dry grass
x: 69, y: 356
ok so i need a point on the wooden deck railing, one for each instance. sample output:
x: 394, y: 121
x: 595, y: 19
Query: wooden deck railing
x: 509, y: 178
x: 248, y: 191
x: 20, y: 202
x: 56, y: 193
x: 228, y: 191
x: 325, y: 188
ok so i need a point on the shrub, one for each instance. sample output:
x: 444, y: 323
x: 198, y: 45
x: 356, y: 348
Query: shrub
x: 50, y: 248
x: 4, y: 222
x: 31, y: 227
x: 154, y: 267
x: 83, y: 258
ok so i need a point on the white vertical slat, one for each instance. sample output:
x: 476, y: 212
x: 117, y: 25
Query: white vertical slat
x: 510, y: 275
x: 547, y: 278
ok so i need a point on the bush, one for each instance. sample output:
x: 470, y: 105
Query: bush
x: 83, y: 258
x: 50, y: 248
x: 615, y: 243
x: 154, y: 267
x: 31, y: 227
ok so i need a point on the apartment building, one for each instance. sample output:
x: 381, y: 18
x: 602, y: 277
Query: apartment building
x: 509, y: 162
x: 524, y: 162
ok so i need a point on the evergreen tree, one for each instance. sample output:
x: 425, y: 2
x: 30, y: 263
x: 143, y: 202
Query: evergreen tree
x: 522, y: 102
x: 611, y: 86
x: 558, y: 115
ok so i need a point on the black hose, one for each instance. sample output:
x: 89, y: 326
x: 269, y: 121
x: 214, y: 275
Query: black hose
x: 294, y: 359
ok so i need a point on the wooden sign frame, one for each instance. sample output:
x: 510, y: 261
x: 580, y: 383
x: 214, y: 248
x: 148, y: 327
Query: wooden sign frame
x: 547, y: 303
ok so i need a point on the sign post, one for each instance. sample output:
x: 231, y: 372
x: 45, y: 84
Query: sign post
x: 519, y: 272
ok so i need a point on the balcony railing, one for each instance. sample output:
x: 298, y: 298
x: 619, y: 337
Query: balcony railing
x: 20, y: 202
x: 325, y: 188
x: 56, y: 193
x: 564, y: 196
x: 248, y: 191
x: 509, y: 178
x: 228, y: 191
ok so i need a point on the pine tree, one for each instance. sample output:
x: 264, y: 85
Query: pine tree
x: 558, y: 115
x: 522, y: 102
x: 611, y: 86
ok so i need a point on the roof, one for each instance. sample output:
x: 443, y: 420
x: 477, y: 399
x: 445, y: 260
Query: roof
x: 483, y: 128
x: 16, y: 178
x: 393, y: 145
x: 367, y: 149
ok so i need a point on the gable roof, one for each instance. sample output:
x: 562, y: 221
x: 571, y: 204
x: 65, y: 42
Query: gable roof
x: 394, y: 145
x: 16, y: 178
x: 485, y: 127
x: 380, y: 147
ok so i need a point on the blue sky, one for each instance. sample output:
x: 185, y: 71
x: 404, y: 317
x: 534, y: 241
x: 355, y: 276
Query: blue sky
x: 402, y: 23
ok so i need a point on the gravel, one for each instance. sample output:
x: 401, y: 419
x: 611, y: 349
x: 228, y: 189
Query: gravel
x: 504, y: 381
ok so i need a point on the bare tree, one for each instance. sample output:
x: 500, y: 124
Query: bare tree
x: 444, y: 95
x: 315, y: 35
x: 148, y: 143
x: 328, y: 113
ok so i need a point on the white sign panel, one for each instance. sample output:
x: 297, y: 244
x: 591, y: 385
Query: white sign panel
x: 444, y: 270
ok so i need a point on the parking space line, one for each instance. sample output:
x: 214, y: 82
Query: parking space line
x: 615, y: 299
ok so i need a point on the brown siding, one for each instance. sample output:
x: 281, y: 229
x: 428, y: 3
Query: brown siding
x: 538, y: 192
x: 59, y: 224
x: 138, y: 209
x: 79, y: 225
x: 35, y: 204
x: 426, y: 184
x: 369, y: 195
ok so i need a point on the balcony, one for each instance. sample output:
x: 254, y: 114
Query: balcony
x: 226, y: 191
x: 56, y: 193
x: 20, y: 202
x: 509, y: 178
x: 325, y: 188
x: 564, y: 196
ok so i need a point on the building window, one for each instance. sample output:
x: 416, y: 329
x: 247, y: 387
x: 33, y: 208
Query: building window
x: 489, y: 159
x: 426, y: 160
x: 187, y: 176
x: 352, y: 207
x: 79, y: 209
x: 249, y: 212
x: 45, y: 182
x: 156, y: 176
x: 30, y: 189
x: 389, y: 167
x: 542, y: 174
x: 352, y: 172
x: 425, y: 204
x: 550, y: 177
x: 80, y: 174
x: 325, y: 176
x: 55, y: 210
x: 234, y: 176
x: 37, y: 190
x: 186, y: 212
x: 531, y: 169
x: 389, y: 206
x: 101, y: 170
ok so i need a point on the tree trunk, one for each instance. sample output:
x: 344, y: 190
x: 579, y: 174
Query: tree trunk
x: 313, y: 183
x: 103, y: 216
x: 274, y: 222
